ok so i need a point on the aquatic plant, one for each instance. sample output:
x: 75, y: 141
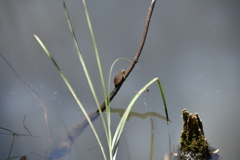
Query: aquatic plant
x: 64, y: 147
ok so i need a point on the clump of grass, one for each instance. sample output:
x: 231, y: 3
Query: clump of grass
x: 112, y: 142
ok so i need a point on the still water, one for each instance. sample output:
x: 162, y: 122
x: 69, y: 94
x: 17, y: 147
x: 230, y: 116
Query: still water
x: 193, y: 47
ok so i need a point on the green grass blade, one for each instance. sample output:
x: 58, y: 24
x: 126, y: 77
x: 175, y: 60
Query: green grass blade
x: 80, y: 55
x: 125, y: 115
x: 122, y: 122
x: 108, y: 111
x: 163, y: 98
x: 95, y: 49
x: 85, y: 70
x: 107, y: 102
x: 72, y: 91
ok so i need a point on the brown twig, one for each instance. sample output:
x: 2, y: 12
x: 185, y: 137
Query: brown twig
x: 135, y: 59
x: 35, y: 94
x: 25, y: 126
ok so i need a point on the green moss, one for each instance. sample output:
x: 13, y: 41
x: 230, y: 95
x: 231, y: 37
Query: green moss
x: 193, y: 144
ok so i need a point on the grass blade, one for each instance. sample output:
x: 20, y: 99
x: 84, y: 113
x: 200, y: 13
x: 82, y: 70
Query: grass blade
x: 122, y: 122
x: 163, y: 98
x: 86, y: 71
x: 71, y: 90
x: 108, y: 111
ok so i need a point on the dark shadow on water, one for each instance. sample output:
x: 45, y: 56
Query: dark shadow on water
x: 64, y: 147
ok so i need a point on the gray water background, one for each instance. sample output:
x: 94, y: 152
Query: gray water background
x: 192, y: 46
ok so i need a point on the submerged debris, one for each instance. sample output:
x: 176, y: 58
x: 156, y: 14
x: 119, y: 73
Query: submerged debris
x: 23, y: 158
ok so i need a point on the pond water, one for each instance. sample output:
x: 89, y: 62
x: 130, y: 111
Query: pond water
x: 193, y: 47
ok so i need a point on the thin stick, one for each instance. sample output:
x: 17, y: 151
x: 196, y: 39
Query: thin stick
x: 11, y: 145
x: 136, y: 57
x: 33, y: 93
x: 25, y: 126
